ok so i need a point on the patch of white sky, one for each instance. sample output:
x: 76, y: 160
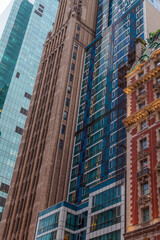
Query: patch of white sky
x: 5, y: 8
x: 3, y: 5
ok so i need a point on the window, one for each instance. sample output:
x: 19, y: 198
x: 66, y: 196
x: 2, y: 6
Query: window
x: 111, y: 138
x: 72, y: 66
x: 75, y: 47
x: 112, y: 104
x: 48, y: 223
x: 159, y: 134
x: 73, y: 185
x: 63, y: 129
x: 27, y: 95
x: 141, y: 74
x: 141, y: 90
x: 143, y: 125
x: 67, y: 102
x: 141, y: 105
x: 65, y: 115
x: 77, y: 37
x: 86, y: 73
x: 111, y: 151
x: 19, y: 130
x: 74, y: 56
x: 2, y: 201
x: 143, y: 143
x: 145, y: 188
x: 71, y: 77
x: 145, y: 214
x: 144, y: 164
x: 137, y: 23
x: 105, y: 219
x: 113, y: 115
x: 17, y: 75
x: 112, y: 126
x: 41, y: 6
x: 158, y: 95
x: 88, y: 140
x: 75, y: 160
x: 60, y: 144
x: 158, y: 79
x: 137, y: 8
x: 137, y: 31
x: 69, y: 89
x: 41, y: 10
x: 23, y: 111
x: 39, y: 14
x: 4, y: 187
x: 157, y: 63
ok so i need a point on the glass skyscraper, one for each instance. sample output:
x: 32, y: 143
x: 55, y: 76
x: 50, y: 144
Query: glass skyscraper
x: 96, y: 208
x: 99, y: 152
x: 20, y: 52
x: 100, y: 144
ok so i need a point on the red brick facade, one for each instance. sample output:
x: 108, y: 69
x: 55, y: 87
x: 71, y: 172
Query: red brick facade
x: 143, y: 150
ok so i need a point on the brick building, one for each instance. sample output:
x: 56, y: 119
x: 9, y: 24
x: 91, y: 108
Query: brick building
x: 143, y: 142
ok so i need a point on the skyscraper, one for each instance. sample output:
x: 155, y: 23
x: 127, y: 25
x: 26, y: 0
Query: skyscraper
x: 20, y: 52
x: 99, y: 151
x: 41, y: 174
x: 97, y: 183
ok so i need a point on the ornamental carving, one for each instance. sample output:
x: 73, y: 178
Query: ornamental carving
x: 144, y: 199
x: 153, y: 36
x: 143, y: 79
x: 143, y: 174
x: 141, y: 96
x: 142, y: 154
x: 142, y: 113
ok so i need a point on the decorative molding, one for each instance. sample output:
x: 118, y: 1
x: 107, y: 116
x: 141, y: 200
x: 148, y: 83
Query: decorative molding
x: 156, y: 87
x: 153, y: 73
x: 142, y: 113
x: 142, y: 154
x: 142, y: 200
x: 143, y: 174
x: 141, y: 96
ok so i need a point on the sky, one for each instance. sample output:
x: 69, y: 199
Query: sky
x: 3, y: 5
x: 4, y: 13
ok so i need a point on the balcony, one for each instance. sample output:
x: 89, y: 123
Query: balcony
x: 143, y: 174
x: 142, y: 200
x: 142, y: 154
x: 142, y: 95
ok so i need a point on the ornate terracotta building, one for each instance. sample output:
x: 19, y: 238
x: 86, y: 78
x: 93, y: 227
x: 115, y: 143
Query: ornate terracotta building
x: 44, y: 160
x: 143, y: 143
